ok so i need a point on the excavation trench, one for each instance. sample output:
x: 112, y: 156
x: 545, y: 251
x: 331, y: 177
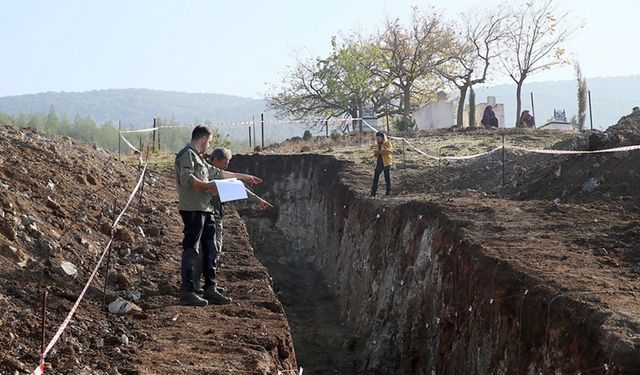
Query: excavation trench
x: 395, y: 287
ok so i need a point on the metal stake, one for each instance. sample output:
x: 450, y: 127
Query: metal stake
x: 44, y: 323
x: 106, y: 274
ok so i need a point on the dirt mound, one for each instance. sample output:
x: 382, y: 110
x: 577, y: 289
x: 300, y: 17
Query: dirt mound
x: 608, y: 177
x: 57, y: 198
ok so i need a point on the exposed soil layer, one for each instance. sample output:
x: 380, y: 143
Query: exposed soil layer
x: 56, y: 204
x: 324, y: 344
x: 460, y: 281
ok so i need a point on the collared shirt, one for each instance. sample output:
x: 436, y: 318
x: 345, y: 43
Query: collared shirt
x: 190, y: 165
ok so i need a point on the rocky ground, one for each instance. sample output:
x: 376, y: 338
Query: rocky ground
x: 57, y: 200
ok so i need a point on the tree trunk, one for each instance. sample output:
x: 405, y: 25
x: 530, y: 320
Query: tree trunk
x: 407, y: 102
x: 460, y: 116
x: 518, y: 100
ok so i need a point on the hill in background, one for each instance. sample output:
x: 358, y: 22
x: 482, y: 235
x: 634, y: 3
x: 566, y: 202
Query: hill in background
x: 135, y: 107
x: 612, y: 98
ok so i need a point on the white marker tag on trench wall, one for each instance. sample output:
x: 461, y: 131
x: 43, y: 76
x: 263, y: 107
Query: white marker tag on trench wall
x: 230, y: 189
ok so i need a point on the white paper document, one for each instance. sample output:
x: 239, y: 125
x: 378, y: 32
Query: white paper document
x: 230, y: 189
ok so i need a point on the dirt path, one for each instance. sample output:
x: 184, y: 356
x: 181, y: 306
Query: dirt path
x: 251, y: 335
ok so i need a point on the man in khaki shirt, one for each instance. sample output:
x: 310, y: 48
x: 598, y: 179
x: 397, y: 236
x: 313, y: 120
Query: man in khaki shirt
x: 194, y: 192
x: 219, y: 159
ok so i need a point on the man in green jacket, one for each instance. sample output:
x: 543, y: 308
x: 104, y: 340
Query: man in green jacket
x: 193, y: 174
x: 220, y: 158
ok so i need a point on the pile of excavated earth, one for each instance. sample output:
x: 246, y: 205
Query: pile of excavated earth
x: 57, y: 201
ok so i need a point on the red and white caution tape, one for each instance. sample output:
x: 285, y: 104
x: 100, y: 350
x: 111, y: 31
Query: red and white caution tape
x: 572, y: 152
x: 533, y: 150
x: 63, y: 326
x: 39, y: 370
x: 129, y: 144
x: 139, y: 130
x: 466, y: 157
x: 245, y: 122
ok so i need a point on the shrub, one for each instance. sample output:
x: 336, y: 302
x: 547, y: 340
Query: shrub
x: 335, y: 135
x: 307, y: 136
x: 406, y: 125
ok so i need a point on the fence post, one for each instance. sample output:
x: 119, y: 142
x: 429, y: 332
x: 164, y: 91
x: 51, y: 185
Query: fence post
x: 44, y: 324
x: 503, y: 180
x: 153, y: 144
x: 158, y: 130
x: 404, y: 154
x: 533, y: 108
x: 106, y: 273
x: 255, y: 140
x: 119, y: 138
x: 249, y: 137
x: 590, y: 110
x: 262, y: 128
x: 326, y: 126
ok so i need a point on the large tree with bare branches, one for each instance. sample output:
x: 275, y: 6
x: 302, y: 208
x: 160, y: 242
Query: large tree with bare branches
x: 410, y: 55
x: 475, y: 47
x: 534, y: 38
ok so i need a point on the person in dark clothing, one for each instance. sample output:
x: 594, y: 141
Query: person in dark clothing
x: 220, y: 158
x: 193, y: 175
x: 382, y: 152
x: 489, y: 119
x: 526, y: 120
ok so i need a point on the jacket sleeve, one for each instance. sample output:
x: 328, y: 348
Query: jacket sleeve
x: 186, y: 169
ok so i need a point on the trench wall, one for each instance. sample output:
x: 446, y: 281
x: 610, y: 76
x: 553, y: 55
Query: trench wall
x: 420, y: 298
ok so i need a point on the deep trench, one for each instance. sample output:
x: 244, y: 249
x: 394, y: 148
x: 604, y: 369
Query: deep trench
x: 377, y: 288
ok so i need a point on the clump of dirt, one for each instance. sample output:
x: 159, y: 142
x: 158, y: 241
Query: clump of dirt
x: 58, y: 198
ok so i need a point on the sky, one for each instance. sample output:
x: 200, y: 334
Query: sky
x: 239, y: 47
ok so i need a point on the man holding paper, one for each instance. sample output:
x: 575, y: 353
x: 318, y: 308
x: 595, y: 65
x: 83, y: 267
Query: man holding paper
x: 194, y: 192
x: 220, y: 158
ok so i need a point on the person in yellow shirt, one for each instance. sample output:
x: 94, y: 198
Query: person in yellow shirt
x: 382, y: 152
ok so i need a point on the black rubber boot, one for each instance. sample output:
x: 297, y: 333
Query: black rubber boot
x: 192, y: 299
x: 215, y: 298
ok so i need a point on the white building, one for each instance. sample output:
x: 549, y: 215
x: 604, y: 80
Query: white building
x: 442, y: 113
x: 438, y: 114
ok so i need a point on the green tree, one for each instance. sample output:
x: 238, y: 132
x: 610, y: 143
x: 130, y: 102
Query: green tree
x: 336, y: 86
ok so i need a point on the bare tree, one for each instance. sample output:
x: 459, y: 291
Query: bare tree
x: 410, y: 55
x: 473, y: 51
x: 535, y: 34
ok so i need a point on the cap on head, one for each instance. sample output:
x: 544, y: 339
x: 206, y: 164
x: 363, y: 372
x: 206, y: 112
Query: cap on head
x: 380, y: 134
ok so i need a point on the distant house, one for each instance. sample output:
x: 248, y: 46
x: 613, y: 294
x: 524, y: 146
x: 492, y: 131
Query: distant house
x: 442, y: 113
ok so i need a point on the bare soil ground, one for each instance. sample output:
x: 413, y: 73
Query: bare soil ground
x: 56, y: 199
x: 569, y: 222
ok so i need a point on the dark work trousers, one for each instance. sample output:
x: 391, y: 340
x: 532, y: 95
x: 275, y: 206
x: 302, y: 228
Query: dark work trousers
x: 376, y: 177
x: 199, y: 235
